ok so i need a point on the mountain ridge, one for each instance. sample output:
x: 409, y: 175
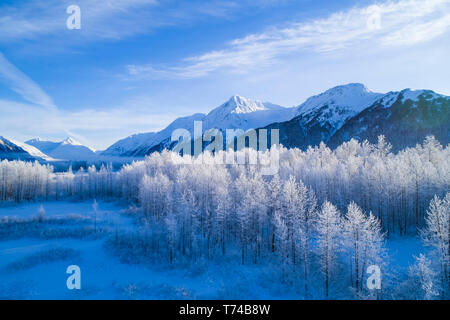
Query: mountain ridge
x: 68, y: 149
x: 318, y: 119
x: 335, y: 116
x: 13, y: 150
x: 405, y: 117
x: 236, y: 112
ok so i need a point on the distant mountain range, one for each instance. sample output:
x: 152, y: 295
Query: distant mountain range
x: 13, y: 150
x: 68, y: 149
x: 335, y: 116
x: 45, y: 151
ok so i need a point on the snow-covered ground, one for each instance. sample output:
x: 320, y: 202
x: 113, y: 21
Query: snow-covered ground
x: 33, y: 263
x: 403, y: 250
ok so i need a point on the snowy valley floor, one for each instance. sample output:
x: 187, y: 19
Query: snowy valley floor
x: 34, y: 256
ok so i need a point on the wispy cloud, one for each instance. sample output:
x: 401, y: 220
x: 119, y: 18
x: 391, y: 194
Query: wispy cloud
x: 20, y: 83
x: 100, y: 19
x: 387, y: 24
x: 111, y: 19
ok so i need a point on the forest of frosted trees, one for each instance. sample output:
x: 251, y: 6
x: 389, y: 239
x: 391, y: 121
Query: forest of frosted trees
x: 322, y: 220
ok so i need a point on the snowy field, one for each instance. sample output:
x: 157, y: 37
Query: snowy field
x: 33, y: 263
x: 34, y: 267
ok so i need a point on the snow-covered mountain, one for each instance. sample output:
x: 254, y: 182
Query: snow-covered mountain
x: 13, y: 150
x: 138, y: 144
x: 336, y: 103
x: 237, y: 112
x: 335, y: 116
x: 320, y: 116
x: 353, y: 111
x: 242, y: 113
x: 124, y: 146
x: 328, y: 117
x: 404, y: 117
x: 69, y: 149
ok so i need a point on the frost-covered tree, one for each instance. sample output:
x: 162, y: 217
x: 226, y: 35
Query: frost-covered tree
x: 282, y: 239
x: 292, y: 209
x: 422, y: 276
x: 172, y: 234
x: 437, y: 235
x: 274, y: 193
x: 329, y: 235
x: 364, y: 244
x: 41, y: 214
x: 95, y: 208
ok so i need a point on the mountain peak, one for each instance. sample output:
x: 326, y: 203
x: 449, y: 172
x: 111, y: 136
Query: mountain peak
x: 349, y: 88
x: 413, y: 94
x: 71, y: 141
x: 68, y: 149
x: 239, y: 105
x: 38, y: 139
x: 237, y: 98
x: 352, y: 96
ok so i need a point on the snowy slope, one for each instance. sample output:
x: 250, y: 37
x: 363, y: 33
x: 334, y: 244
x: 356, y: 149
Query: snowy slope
x: 354, y: 97
x: 68, y: 149
x: 122, y: 147
x: 242, y: 113
x: 336, y: 105
x: 42, y: 145
x: 13, y: 150
x: 237, y: 112
x: 138, y: 144
x: 322, y: 115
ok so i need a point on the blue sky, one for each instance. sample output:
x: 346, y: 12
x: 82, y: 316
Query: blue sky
x: 136, y: 65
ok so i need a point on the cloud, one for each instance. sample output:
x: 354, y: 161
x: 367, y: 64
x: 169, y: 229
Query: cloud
x: 418, y: 33
x: 20, y: 83
x: 387, y: 24
x: 100, y: 19
x: 112, y: 19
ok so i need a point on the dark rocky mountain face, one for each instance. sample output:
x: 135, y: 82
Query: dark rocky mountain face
x: 305, y: 130
x: 404, y: 121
